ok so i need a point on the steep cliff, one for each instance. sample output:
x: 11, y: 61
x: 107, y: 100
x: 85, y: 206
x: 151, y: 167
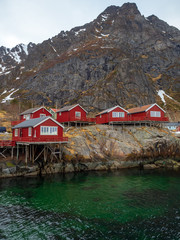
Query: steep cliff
x: 119, y: 58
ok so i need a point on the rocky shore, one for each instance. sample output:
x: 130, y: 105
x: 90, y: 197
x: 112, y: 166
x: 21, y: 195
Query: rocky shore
x: 103, y: 147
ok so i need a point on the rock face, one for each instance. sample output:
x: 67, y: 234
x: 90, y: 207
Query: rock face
x: 119, y: 58
x: 100, y: 147
x: 128, y: 143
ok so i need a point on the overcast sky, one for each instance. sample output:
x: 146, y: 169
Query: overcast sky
x: 24, y: 21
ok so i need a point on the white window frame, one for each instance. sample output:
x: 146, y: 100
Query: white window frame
x: 78, y: 113
x: 16, y: 132
x: 49, y: 130
x: 155, y: 114
x: 27, y: 116
x: 29, y: 131
x: 35, y: 133
x: 42, y: 115
x: 118, y: 114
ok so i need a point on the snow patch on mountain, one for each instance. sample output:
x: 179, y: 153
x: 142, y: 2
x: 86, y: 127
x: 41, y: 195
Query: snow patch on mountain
x: 5, y: 91
x: 81, y: 30
x: 9, y: 98
x: 161, y: 94
x: 104, y: 17
x: 2, y: 68
x: 25, y: 48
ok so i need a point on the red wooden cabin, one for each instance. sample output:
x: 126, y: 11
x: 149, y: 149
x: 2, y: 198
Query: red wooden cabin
x: 73, y: 113
x: 114, y: 114
x: 38, y: 130
x: 151, y: 112
x: 34, y: 113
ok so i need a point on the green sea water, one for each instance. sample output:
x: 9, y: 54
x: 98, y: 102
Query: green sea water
x: 126, y: 204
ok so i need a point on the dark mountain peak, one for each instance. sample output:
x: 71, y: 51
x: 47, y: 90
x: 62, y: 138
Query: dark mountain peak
x: 125, y: 9
x: 121, y: 57
x: 111, y: 10
x: 162, y: 25
x: 129, y: 8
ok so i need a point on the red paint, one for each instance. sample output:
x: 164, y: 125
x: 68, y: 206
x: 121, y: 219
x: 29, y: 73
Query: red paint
x: 146, y: 115
x: 69, y: 115
x: 36, y: 133
x: 37, y: 113
x: 7, y: 143
x: 108, y: 116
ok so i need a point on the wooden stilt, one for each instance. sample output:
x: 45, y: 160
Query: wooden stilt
x: 44, y: 154
x: 26, y: 154
x: 32, y: 153
x: 17, y: 151
x: 60, y: 155
x: 12, y: 152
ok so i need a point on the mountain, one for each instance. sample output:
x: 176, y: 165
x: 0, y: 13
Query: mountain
x: 119, y: 58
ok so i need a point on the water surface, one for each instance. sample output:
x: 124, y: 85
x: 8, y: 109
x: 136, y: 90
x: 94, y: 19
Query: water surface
x: 127, y: 204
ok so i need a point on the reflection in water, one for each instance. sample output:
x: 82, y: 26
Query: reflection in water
x: 127, y: 204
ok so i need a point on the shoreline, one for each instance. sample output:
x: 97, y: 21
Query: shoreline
x: 60, y: 168
x: 101, y: 148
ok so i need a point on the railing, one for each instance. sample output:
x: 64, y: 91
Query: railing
x: 14, y: 123
x: 35, y: 139
x: 7, y: 143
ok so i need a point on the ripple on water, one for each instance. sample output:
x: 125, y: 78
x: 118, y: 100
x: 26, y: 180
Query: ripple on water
x: 92, y: 206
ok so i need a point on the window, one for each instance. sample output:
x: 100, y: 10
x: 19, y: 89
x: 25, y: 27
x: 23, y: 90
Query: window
x: 42, y: 115
x: 16, y: 132
x: 29, y: 131
x: 48, y: 130
x: 117, y: 114
x: 27, y: 116
x: 155, y: 114
x: 60, y: 114
x: 78, y: 114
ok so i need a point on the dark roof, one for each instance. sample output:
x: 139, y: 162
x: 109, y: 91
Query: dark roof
x: 144, y: 108
x: 105, y: 111
x: 139, y: 109
x: 110, y: 109
x: 31, y: 122
x: 54, y: 110
x: 68, y: 108
x: 31, y: 110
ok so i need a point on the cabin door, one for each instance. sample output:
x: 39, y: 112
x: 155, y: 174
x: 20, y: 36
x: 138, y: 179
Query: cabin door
x: 21, y: 132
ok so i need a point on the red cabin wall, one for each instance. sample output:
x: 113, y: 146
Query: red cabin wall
x: 103, y: 118
x: 107, y: 117
x: 119, y: 119
x: 37, y: 114
x: 146, y: 115
x: 49, y: 123
x: 137, y: 116
x: 38, y: 137
x: 41, y: 111
x: 63, y: 117
x: 69, y: 116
